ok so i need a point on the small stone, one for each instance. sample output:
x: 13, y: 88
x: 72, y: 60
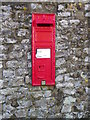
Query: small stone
x: 21, y: 71
x: 33, y: 6
x: 21, y: 113
x: 86, y: 50
x: 87, y: 89
x: 12, y: 64
x: 66, y: 108
x: 22, y: 32
x: 29, y: 56
x: 47, y: 93
x: 6, y: 7
x: 42, y: 103
x: 16, y: 47
x: 59, y: 78
x: 1, y: 40
x: 58, y: 86
x: 3, y: 57
x: 8, y: 73
x: 86, y: 59
x: 60, y: 61
x: 64, y: 14
x: 14, y: 103
x: 37, y: 94
x: 69, y: 91
x: 29, y: 65
x: 68, y: 115
x: 1, y: 84
x: 12, y: 41
x: 25, y: 41
x: 87, y: 14
x: 67, y: 78
x: 2, y: 48
x: 76, y: 22
x: 77, y: 84
x: 8, y: 91
x: 60, y: 7
x: 80, y: 115
x: 1, y: 65
x: 15, y: 54
x: 1, y: 116
x: 87, y: 7
x: 1, y: 108
x: 64, y: 23
x: 61, y: 71
x: 27, y: 79
x: 69, y: 100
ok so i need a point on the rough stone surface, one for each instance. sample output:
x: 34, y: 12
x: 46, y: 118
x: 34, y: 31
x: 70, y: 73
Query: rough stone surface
x: 69, y: 97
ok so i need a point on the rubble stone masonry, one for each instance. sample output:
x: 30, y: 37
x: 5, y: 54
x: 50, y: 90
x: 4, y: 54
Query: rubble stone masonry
x: 70, y: 95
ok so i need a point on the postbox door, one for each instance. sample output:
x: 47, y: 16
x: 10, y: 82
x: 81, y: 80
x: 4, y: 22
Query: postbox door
x: 43, y: 54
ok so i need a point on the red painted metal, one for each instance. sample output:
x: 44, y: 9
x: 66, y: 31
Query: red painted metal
x: 43, y: 37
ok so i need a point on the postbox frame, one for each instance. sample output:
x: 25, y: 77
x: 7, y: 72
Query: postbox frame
x: 38, y: 18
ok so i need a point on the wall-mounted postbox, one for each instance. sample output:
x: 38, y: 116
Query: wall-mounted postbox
x: 43, y: 49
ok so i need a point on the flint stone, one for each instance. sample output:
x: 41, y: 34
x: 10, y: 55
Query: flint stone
x: 69, y: 100
x: 15, y: 54
x: 64, y: 23
x: 68, y: 115
x: 86, y: 50
x: 59, y: 78
x: 8, y: 91
x: 12, y: 64
x: 69, y: 91
x: 60, y: 7
x: 60, y: 61
x: 27, y: 79
x: 47, y: 94
x: 29, y: 56
x: 2, y: 98
x: 1, y: 40
x: 19, y: 81
x: 24, y: 104
x: 67, y: 78
x: 33, y: 6
x: 1, y: 65
x: 2, y: 48
x: 37, y: 94
x: 8, y: 108
x: 69, y: 85
x: 21, y: 113
x: 87, y: 14
x: 87, y: 59
x: 3, y: 57
x: 25, y: 41
x: 87, y: 7
x: 41, y: 103
x: 10, y: 41
x: 1, y: 116
x: 1, y: 108
x: 8, y: 73
x: 1, y: 84
x: 22, y: 32
x: 66, y: 109
x: 76, y: 22
x: 64, y: 14
x: 60, y: 71
x: 21, y: 71
x: 6, y: 7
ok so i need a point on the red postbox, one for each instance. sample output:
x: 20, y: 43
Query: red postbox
x: 43, y: 49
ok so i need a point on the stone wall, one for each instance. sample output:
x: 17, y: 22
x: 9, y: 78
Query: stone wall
x: 69, y: 97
